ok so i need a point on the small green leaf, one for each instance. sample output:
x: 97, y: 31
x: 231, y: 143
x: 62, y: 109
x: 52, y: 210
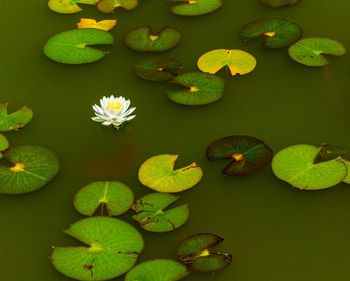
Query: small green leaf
x: 330, y: 152
x: 33, y: 167
x: 109, y: 6
x: 311, y: 51
x: 4, y: 143
x: 115, y: 196
x: 142, y: 39
x: 248, y: 155
x: 71, y: 47
x: 274, y: 32
x: 295, y: 165
x: 152, y: 216
x: 69, y: 6
x: 347, y: 178
x: 157, y: 69
x: 15, y: 120
x: 195, y: 252
x: 157, y: 270
x: 195, y: 7
x: 113, y: 247
x: 280, y: 3
x: 158, y: 174
x: 202, y: 88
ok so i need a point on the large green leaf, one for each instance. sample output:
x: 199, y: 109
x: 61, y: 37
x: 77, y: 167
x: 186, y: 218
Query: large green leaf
x: 15, y: 120
x: 109, y: 6
x: 143, y: 39
x: 152, y: 216
x: 71, y: 46
x: 113, y: 247
x: 311, y: 51
x: 68, y: 6
x: 158, y: 174
x: 157, y: 270
x: 280, y: 3
x: 115, y: 196
x: 295, y: 165
x: 195, y: 7
x: 274, y: 32
x: 33, y: 167
x: 202, y: 88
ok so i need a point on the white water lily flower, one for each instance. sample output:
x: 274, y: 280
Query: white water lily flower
x: 113, y: 111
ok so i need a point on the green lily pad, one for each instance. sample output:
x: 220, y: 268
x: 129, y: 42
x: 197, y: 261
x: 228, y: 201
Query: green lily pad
x: 295, y: 165
x: 280, y: 3
x: 71, y: 47
x: 249, y: 155
x: 311, y: 51
x: 157, y: 69
x: 142, y: 39
x: 69, y: 6
x: 113, y: 248
x: 109, y: 6
x: 158, y: 174
x: 157, y: 270
x: 195, y: 7
x: 34, y: 166
x: 15, y: 120
x: 4, y: 143
x: 347, y: 178
x: 115, y: 196
x: 152, y: 216
x: 195, y: 252
x: 202, y: 88
x: 274, y: 32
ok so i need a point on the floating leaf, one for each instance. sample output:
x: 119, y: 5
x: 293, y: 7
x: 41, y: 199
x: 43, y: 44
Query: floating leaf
x: 330, y: 152
x: 295, y: 165
x: 157, y: 69
x: 15, y: 120
x: 109, y: 6
x: 274, y: 32
x: 347, y: 178
x: 113, y: 248
x: 249, y: 155
x: 238, y: 61
x: 152, y: 216
x: 116, y: 196
x: 195, y: 7
x: 158, y: 174
x: 68, y: 6
x: 280, y: 3
x: 142, y: 39
x: 195, y: 252
x: 4, y: 144
x: 34, y: 166
x: 157, y: 270
x: 105, y: 25
x: 71, y: 46
x: 311, y: 51
x: 201, y: 89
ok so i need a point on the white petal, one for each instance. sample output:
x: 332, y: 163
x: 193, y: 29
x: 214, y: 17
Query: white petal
x: 107, y: 123
x: 131, y: 110
x: 130, y: 118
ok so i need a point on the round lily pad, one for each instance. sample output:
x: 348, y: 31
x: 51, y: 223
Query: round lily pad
x: 142, y: 39
x: 158, y: 174
x: 33, y: 167
x: 157, y: 69
x: 152, y: 216
x: 280, y: 3
x: 113, y: 247
x: 69, y: 6
x: 311, y: 51
x: 295, y: 165
x: 238, y: 61
x: 71, y: 46
x: 202, y: 88
x: 249, y: 155
x: 109, y: 6
x: 115, y: 196
x: 195, y: 7
x: 196, y: 253
x: 274, y: 32
x: 15, y: 120
x: 157, y: 270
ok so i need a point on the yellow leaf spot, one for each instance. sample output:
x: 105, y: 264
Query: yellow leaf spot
x: 19, y: 167
x: 237, y: 156
x: 105, y: 25
x: 194, y: 89
x: 153, y: 37
x: 270, y: 34
x: 192, y: 2
x: 204, y: 253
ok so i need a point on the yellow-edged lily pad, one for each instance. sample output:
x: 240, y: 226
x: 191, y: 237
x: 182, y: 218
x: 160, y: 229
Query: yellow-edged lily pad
x: 109, y: 6
x: 68, y: 6
x: 105, y: 25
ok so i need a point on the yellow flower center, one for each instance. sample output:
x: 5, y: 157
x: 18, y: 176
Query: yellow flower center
x: 19, y: 167
x: 116, y: 105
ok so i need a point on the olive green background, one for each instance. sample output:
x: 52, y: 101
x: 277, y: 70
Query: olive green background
x: 273, y: 231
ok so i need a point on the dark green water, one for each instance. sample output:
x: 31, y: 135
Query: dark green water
x: 273, y: 231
